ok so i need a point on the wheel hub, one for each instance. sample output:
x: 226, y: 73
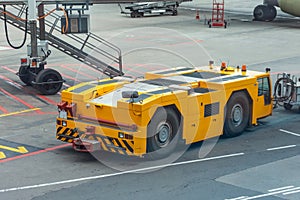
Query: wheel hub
x: 237, y: 114
x: 163, y: 134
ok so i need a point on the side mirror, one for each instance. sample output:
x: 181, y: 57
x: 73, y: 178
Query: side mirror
x: 130, y: 94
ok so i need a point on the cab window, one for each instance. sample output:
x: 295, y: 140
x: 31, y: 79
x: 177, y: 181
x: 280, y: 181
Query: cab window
x: 264, y: 89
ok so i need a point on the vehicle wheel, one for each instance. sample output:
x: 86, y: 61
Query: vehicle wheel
x: 237, y: 115
x: 133, y: 14
x: 163, y: 132
x: 272, y: 12
x: 24, y: 74
x: 287, y: 106
x: 140, y: 14
x: 209, y: 23
x: 264, y: 13
x: 260, y: 13
x: 174, y: 13
x: 53, y: 78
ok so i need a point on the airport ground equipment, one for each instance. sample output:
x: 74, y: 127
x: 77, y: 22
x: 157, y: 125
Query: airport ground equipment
x: 287, y: 91
x: 155, y: 114
x: 160, y: 8
x: 86, y: 47
x: 72, y: 37
x: 217, y: 18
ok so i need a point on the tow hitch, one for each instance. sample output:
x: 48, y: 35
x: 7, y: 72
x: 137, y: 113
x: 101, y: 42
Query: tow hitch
x: 85, y: 145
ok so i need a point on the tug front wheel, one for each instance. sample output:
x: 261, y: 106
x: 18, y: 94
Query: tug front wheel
x: 237, y: 115
x: 48, y: 82
x: 163, y: 133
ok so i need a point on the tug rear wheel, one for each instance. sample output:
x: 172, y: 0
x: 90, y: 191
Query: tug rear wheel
x: 48, y: 82
x: 237, y: 115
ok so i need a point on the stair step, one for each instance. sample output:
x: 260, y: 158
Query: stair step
x: 71, y: 50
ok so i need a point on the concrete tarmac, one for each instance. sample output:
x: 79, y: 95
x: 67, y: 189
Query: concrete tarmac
x: 262, y: 163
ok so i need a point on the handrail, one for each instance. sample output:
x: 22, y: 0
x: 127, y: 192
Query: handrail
x: 86, y: 44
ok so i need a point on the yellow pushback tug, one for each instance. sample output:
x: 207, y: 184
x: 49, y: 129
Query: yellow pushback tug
x: 164, y: 109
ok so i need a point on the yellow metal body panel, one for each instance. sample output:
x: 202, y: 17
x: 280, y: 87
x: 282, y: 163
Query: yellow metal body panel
x: 200, y: 95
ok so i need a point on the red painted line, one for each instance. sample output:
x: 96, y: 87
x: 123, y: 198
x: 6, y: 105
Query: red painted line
x: 20, y: 87
x: 35, y: 153
x: 42, y: 113
x: 184, y: 43
x: 4, y: 48
x: 3, y: 110
x: 8, y: 69
x: 47, y: 99
x: 19, y: 100
x: 13, y: 71
x: 135, y: 68
x: 83, y: 66
x: 78, y: 72
x: 69, y: 77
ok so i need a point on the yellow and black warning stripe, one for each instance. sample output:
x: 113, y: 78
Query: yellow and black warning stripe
x: 115, y: 145
x: 66, y: 134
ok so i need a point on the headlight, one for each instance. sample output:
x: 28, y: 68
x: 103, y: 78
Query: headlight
x: 62, y: 114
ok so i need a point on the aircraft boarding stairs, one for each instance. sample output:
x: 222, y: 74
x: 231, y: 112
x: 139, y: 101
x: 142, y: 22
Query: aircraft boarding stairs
x: 87, y: 48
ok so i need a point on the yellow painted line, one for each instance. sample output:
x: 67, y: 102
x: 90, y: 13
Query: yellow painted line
x: 2, y: 155
x: 19, y: 149
x: 19, y: 112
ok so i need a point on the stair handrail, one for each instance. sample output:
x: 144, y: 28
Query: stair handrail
x: 84, y: 42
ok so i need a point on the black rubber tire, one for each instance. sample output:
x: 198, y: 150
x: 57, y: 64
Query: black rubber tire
x: 272, y: 13
x: 163, y: 133
x: 287, y: 106
x: 260, y: 13
x: 134, y: 14
x: 140, y: 14
x: 237, y: 115
x: 264, y: 13
x: 225, y: 24
x: 25, y: 75
x: 48, y: 75
x: 209, y: 23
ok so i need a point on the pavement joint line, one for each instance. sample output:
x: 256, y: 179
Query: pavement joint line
x: 118, y: 173
x: 281, y: 147
x: 289, y: 132
x: 19, y: 112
